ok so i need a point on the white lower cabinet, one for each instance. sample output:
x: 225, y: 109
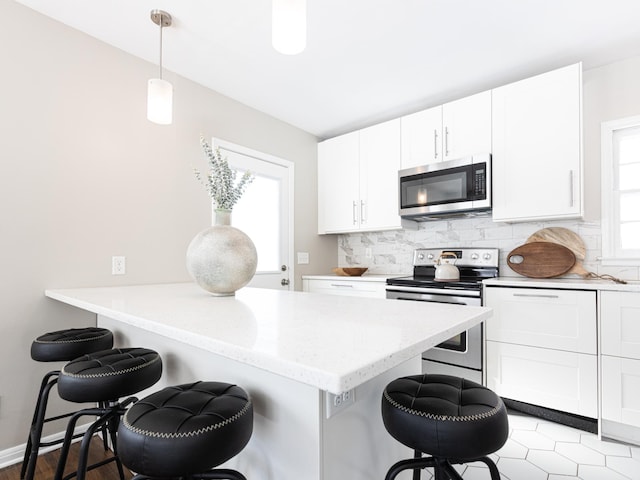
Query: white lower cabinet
x: 542, y: 347
x: 620, y: 364
x: 565, y: 381
x: 549, y: 318
x: 346, y: 286
x: 621, y: 390
x: 620, y: 324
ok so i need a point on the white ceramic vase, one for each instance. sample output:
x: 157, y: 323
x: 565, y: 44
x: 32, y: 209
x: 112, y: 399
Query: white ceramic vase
x: 222, y: 259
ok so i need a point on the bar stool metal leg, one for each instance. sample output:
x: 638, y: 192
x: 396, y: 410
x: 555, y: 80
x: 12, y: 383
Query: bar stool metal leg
x: 37, y: 424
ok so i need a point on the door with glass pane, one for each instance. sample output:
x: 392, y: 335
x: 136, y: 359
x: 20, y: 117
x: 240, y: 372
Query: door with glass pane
x: 265, y: 213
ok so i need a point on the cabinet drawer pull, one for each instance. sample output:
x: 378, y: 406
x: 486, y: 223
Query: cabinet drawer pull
x: 535, y: 295
x: 341, y: 285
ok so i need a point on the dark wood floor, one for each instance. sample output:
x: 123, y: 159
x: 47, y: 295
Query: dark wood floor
x: 46, y: 466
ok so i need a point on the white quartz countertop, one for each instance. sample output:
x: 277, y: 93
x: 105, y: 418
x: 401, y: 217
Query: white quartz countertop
x: 566, y: 283
x: 331, y: 342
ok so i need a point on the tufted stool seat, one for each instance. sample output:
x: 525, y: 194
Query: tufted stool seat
x: 104, y: 377
x: 109, y: 374
x: 186, y: 431
x: 57, y: 346
x: 65, y: 345
x: 452, y: 419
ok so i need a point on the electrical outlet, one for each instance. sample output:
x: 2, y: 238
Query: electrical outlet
x: 367, y: 252
x: 118, y: 266
x: 337, y: 403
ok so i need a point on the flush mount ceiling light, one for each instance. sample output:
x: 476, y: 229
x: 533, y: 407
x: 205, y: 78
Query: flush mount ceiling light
x: 160, y: 92
x: 289, y: 26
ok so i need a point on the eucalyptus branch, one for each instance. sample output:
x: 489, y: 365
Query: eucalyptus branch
x: 220, y: 181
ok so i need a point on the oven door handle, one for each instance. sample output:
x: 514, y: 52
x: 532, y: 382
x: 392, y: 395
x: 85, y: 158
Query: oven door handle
x: 398, y: 290
x: 430, y: 301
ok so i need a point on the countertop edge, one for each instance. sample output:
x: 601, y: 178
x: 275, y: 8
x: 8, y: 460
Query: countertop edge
x: 374, y: 277
x: 562, y: 283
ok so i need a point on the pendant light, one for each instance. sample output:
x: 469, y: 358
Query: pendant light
x: 289, y: 26
x: 160, y: 92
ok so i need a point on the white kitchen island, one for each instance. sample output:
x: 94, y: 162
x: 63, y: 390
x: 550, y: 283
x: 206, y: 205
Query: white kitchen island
x: 292, y: 351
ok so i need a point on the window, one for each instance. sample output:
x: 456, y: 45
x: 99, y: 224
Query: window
x: 621, y: 192
x: 258, y: 215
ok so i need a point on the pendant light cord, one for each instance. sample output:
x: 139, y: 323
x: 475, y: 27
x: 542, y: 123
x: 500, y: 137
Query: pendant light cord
x: 160, y: 63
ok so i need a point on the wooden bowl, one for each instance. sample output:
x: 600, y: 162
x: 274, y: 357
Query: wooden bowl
x: 349, y: 271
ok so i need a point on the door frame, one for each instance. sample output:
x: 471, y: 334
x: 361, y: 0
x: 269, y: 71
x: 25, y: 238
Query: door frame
x: 289, y: 165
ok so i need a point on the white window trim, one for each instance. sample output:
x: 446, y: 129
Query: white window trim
x: 609, y: 214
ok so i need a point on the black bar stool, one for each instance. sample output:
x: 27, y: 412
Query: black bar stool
x: 451, y: 419
x: 103, y: 378
x: 58, y: 346
x: 186, y: 431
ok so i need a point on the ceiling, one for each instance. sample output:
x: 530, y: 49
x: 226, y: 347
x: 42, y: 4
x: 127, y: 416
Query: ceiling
x: 366, y: 60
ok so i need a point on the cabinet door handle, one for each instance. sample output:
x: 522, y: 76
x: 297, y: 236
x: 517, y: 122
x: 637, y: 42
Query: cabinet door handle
x: 435, y: 143
x: 535, y: 295
x: 571, y: 188
x: 355, y: 213
x: 446, y: 141
x: 363, y: 217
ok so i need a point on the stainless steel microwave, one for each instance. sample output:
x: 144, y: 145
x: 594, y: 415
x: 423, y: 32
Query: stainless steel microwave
x: 455, y: 187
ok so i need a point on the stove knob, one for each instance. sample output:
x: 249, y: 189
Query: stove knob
x: 487, y: 256
x: 430, y: 256
x: 474, y: 256
x: 421, y: 256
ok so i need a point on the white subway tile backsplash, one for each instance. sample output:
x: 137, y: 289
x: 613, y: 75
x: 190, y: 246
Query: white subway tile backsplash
x: 392, y: 251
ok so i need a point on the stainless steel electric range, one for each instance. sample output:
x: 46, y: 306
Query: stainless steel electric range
x: 462, y: 354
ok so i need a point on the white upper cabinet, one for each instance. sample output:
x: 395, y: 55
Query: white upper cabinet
x: 358, y: 180
x: 454, y: 130
x: 466, y: 126
x: 537, y: 147
x: 421, y: 138
x: 338, y: 183
x: 379, y: 165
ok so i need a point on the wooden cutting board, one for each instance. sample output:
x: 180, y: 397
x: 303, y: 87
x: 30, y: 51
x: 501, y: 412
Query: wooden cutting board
x: 541, y: 260
x: 566, y: 238
x: 571, y: 240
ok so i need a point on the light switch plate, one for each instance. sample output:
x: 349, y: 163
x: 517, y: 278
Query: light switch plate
x: 303, y: 258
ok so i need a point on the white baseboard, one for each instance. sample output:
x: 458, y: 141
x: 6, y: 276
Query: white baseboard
x: 13, y: 455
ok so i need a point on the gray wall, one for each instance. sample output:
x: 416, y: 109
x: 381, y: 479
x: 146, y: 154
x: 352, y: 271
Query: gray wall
x: 609, y: 92
x: 85, y: 176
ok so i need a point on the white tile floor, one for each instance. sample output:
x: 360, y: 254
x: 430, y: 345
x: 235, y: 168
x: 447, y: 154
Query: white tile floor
x: 541, y: 450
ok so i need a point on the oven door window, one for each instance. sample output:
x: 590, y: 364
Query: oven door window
x: 447, y: 186
x: 457, y: 343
